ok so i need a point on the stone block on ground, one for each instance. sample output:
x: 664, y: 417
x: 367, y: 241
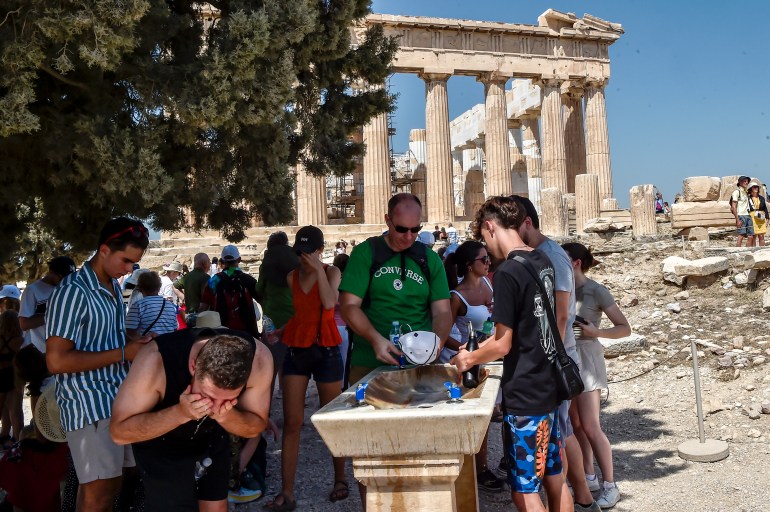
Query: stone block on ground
x: 757, y: 260
x: 746, y: 277
x: 602, y: 225
x: 669, y: 269
x: 695, y: 233
x: 702, y: 188
x: 621, y: 346
x: 702, y: 267
x: 701, y: 214
x: 766, y: 300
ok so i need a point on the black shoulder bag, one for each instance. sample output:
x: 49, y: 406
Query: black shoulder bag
x: 569, y: 384
x: 162, y: 307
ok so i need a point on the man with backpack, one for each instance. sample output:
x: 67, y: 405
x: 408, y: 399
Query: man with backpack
x: 390, y: 278
x: 232, y: 292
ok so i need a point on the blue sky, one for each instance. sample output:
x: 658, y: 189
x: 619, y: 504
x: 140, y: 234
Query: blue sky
x: 689, y: 93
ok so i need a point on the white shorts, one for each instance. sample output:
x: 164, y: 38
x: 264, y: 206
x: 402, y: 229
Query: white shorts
x: 95, y: 454
x: 593, y: 368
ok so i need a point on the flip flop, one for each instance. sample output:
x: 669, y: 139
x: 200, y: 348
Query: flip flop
x: 338, y: 491
x: 285, y: 506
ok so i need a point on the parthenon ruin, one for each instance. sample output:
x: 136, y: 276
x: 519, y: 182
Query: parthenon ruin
x: 549, y: 128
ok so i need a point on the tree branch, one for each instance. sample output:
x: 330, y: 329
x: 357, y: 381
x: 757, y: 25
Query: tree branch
x: 17, y: 11
x: 61, y: 77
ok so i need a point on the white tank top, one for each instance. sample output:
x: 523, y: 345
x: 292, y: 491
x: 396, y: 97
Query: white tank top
x: 476, y: 315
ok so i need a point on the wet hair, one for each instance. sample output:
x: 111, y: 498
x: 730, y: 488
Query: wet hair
x: 457, y: 263
x: 580, y: 252
x: 277, y: 238
x: 120, y: 232
x: 401, y: 198
x: 226, y: 360
x: 341, y: 261
x: 506, y: 211
x: 9, y: 325
x: 148, y: 283
x: 530, y: 209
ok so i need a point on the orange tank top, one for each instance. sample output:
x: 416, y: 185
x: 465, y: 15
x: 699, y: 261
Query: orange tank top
x: 311, y: 324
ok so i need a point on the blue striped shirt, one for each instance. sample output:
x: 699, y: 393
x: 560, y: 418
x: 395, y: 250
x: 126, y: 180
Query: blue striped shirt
x: 84, y: 312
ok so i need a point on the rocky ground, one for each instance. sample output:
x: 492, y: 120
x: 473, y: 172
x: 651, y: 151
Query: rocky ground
x: 646, y: 417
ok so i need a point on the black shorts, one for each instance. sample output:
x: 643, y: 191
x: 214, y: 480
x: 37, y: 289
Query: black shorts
x: 7, y: 380
x: 169, y: 477
x: 324, y: 364
x: 30, y: 367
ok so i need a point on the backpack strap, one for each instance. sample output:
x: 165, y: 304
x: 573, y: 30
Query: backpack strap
x: 381, y: 253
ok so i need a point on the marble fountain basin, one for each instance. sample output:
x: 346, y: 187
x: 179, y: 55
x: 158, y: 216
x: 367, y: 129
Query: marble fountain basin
x: 407, y: 414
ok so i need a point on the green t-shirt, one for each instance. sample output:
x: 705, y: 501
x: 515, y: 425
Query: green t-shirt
x: 192, y: 285
x: 390, y: 298
x: 277, y: 302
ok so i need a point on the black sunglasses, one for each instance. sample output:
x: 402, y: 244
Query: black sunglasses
x: 485, y: 259
x: 404, y: 229
x: 136, y: 232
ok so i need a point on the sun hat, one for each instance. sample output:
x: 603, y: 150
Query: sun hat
x: 754, y: 183
x: 47, y: 419
x: 230, y: 253
x: 209, y: 320
x: 174, y: 266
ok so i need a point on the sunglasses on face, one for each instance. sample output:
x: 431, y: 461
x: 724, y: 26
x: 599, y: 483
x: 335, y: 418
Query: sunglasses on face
x: 404, y: 229
x: 136, y: 232
x: 484, y: 259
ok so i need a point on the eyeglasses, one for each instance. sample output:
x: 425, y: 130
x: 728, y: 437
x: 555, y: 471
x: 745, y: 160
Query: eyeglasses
x: 136, y: 231
x: 404, y: 229
x: 485, y: 259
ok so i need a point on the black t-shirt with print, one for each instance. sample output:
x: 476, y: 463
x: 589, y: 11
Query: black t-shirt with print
x: 528, y: 376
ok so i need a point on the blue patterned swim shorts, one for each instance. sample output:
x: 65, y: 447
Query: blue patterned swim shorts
x: 534, y: 450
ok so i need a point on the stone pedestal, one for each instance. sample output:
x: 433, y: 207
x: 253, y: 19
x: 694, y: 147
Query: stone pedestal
x: 597, y: 137
x: 376, y: 170
x: 496, y: 141
x: 440, y: 201
x: 574, y: 136
x: 643, y: 210
x: 587, y: 203
x: 554, y: 166
x: 311, y: 199
x: 554, y: 220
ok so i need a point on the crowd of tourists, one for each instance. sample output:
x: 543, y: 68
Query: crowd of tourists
x: 164, y: 380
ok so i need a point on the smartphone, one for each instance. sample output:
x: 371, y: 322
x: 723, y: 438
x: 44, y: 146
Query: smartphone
x: 580, y: 320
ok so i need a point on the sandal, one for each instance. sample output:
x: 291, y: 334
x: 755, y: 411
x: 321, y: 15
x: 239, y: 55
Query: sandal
x: 286, y: 504
x: 340, y: 491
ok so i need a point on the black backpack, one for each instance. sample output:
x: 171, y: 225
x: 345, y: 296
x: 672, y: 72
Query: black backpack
x: 381, y: 253
x: 234, y: 302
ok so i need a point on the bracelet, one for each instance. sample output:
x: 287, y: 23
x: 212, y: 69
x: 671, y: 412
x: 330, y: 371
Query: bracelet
x: 123, y: 354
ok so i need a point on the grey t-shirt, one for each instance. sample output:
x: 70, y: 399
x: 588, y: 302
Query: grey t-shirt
x: 592, y: 300
x: 565, y: 282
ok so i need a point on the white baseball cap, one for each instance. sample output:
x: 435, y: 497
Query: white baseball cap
x: 427, y: 238
x: 10, y: 291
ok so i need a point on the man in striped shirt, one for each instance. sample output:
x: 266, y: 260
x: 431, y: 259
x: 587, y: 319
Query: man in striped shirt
x: 87, y: 350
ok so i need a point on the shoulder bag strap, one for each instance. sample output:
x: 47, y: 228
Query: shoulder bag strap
x: 549, y: 312
x: 156, y: 318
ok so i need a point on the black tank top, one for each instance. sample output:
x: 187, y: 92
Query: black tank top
x: 195, y: 435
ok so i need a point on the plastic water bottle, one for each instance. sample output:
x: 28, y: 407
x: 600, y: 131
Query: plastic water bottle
x: 200, y: 468
x: 395, y: 334
x: 471, y: 376
x: 268, y: 330
x: 489, y: 327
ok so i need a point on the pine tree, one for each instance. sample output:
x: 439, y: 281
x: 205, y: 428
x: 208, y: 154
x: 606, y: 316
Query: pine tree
x: 146, y: 107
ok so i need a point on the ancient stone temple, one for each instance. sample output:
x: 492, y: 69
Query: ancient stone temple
x: 546, y: 130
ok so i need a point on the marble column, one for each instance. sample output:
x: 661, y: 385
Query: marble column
x: 519, y: 183
x: 457, y: 182
x: 417, y: 150
x: 554, y: 220
x: 377, y: 189
x: 586, y: 199
x: 473, y: 180
x: 574, y: 136
x: 554, y: 166
x: 311, y: 198
x: 358, y: 179
x: 530, y: 141
x: 498, y: 177
x: 597, y: 137
x: 439, y: 158
x: 643, y: 210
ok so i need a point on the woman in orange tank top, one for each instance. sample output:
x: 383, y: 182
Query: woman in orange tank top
x: 313, y: 340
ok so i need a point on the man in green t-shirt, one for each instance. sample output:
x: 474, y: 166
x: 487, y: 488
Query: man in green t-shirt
x: 370, y: 303
x: 192, y: 283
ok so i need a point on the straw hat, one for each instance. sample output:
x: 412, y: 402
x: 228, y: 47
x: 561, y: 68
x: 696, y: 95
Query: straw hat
x: 208, y: 320
x: 47, y: 416
x: 174, y: 266
x: 754, y: 183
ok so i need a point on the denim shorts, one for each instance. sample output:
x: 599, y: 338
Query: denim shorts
x: 747, y: 227
x: 533, y: 451
x: 323, y: 364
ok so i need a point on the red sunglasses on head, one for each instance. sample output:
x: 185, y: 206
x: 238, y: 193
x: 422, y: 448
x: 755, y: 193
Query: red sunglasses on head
x: 136, y: 231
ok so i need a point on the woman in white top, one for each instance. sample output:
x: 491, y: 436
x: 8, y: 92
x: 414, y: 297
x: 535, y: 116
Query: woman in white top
x: 593, y: 299
x: 471, y: 302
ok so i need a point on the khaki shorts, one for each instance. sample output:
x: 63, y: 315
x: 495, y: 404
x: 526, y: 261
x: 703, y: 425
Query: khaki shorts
x: 95, y: 454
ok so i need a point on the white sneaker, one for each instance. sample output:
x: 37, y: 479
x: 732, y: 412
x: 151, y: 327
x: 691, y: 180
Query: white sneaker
x: 593, y: 484
x: 609, y: 497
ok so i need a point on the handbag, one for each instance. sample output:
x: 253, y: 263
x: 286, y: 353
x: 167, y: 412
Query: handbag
x: 569, y: 383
